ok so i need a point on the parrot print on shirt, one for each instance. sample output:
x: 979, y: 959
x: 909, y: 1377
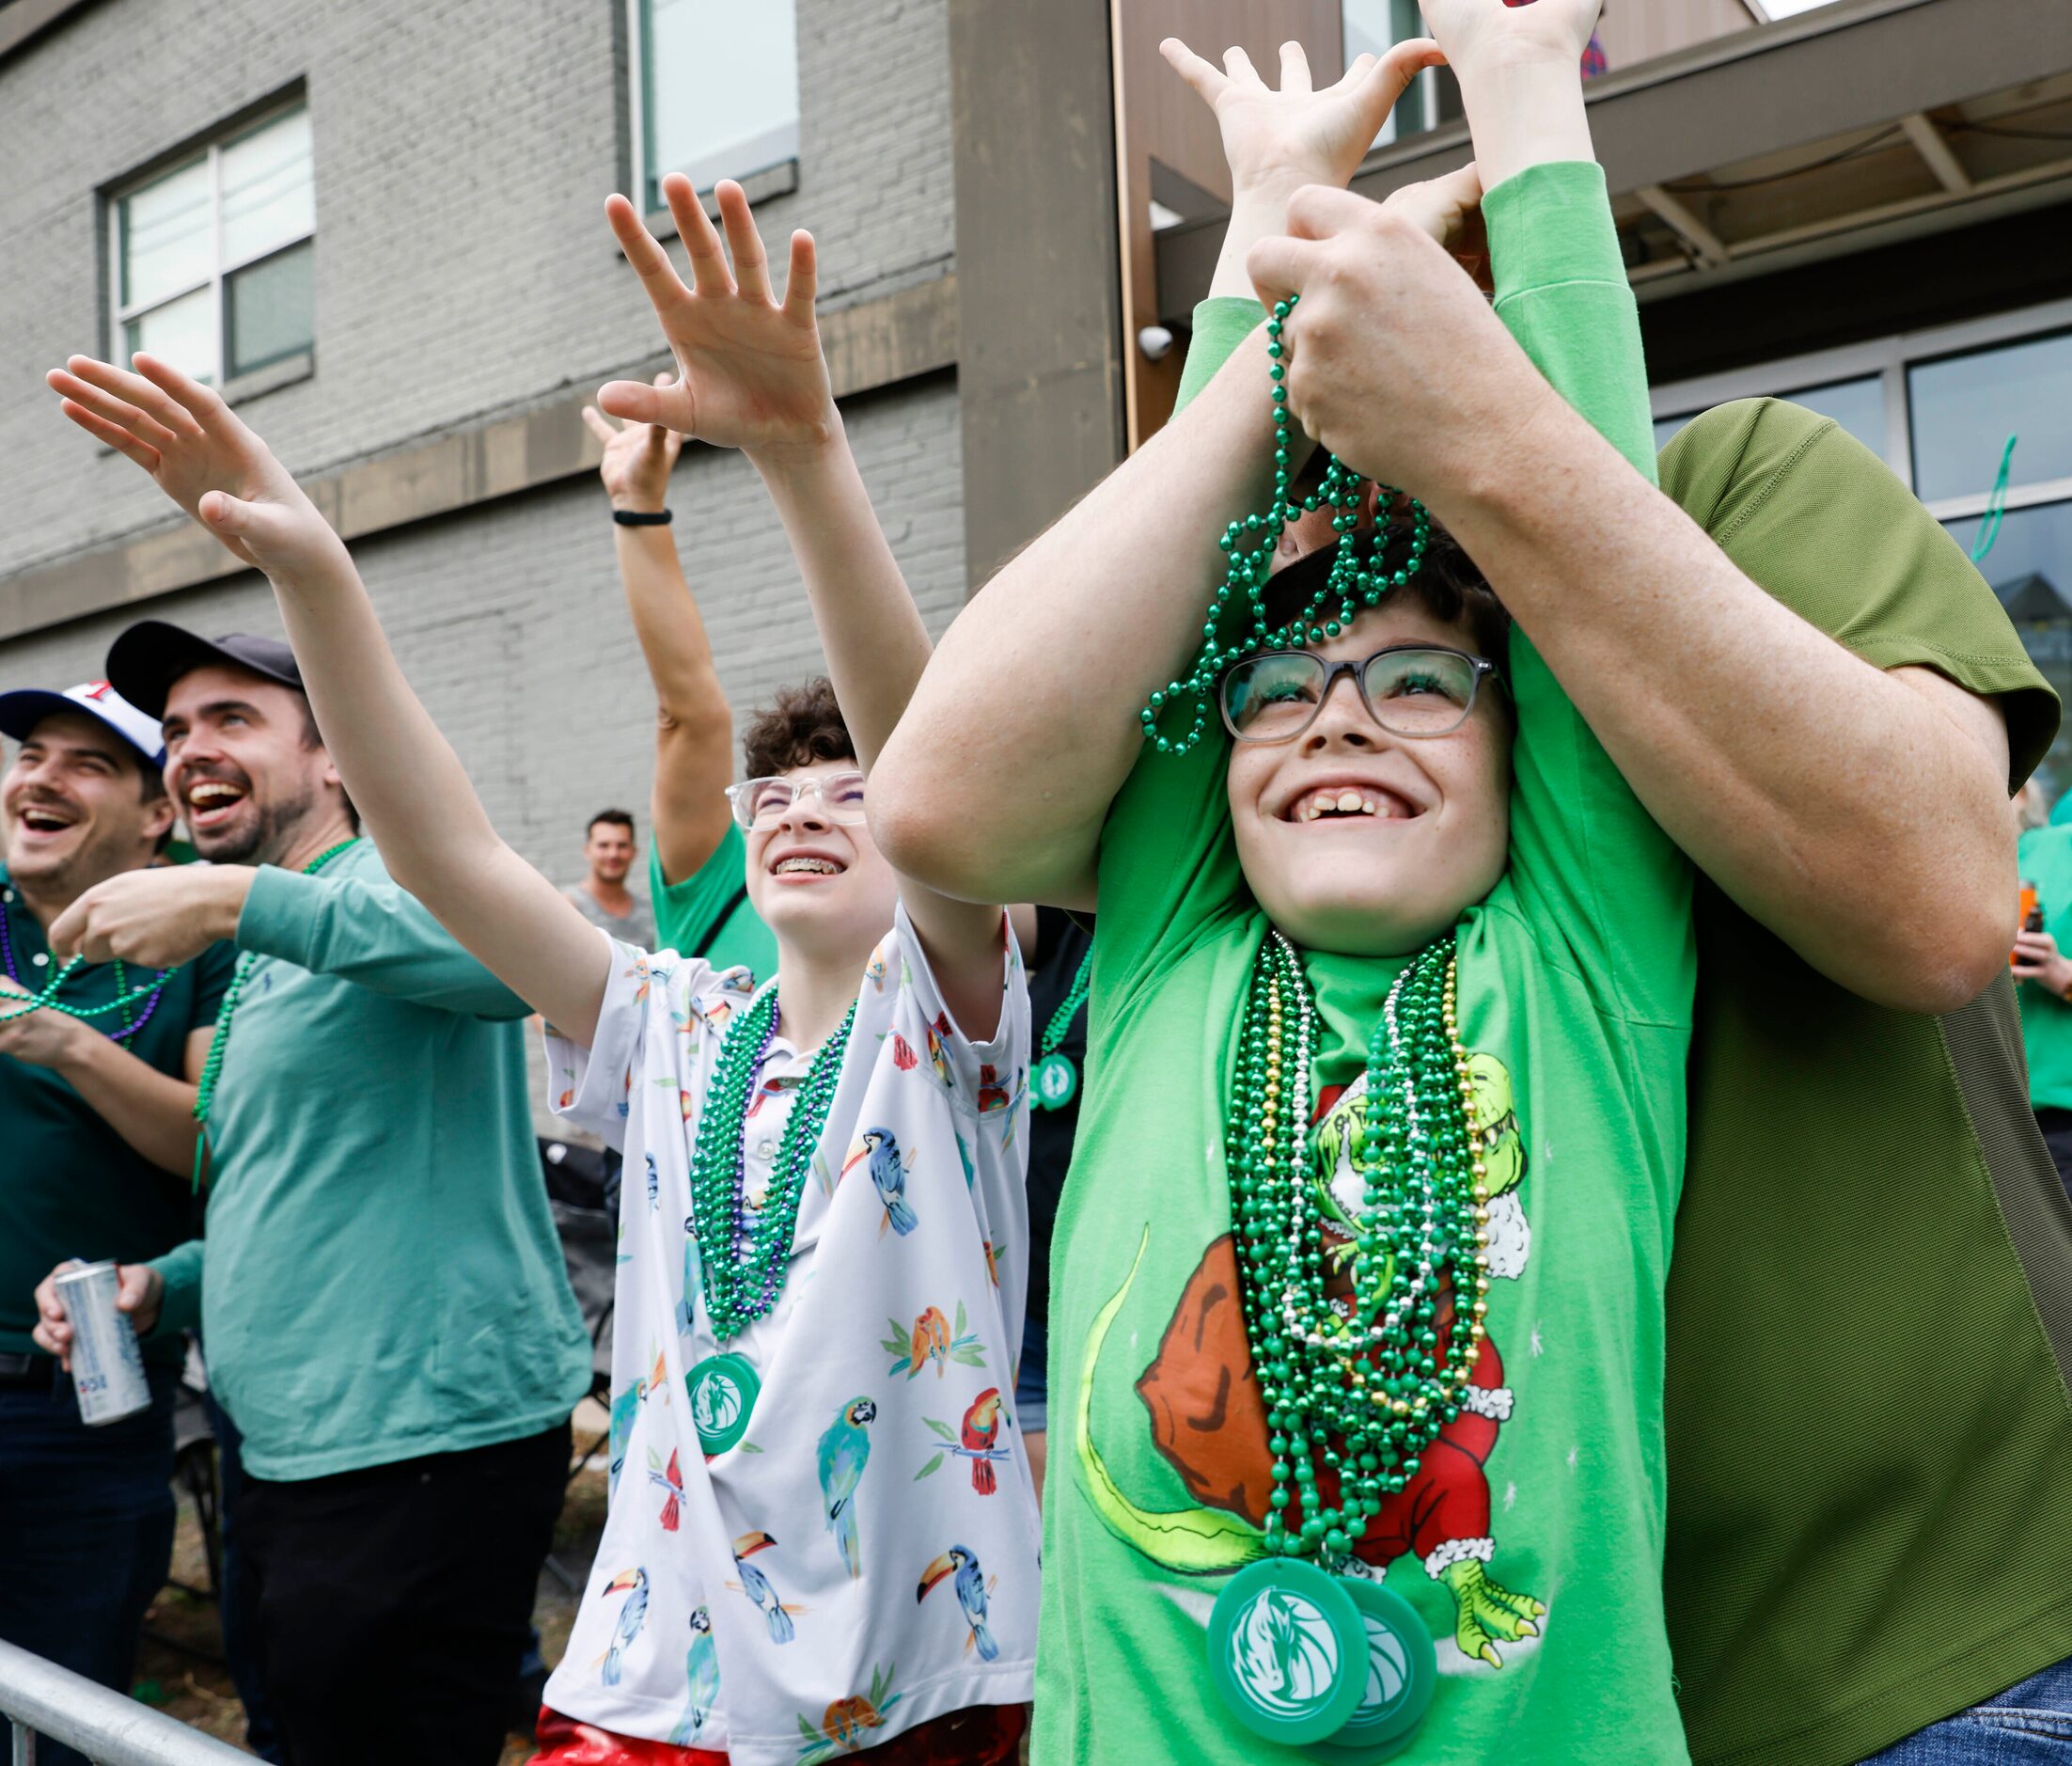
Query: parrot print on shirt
x: 844, y: 1450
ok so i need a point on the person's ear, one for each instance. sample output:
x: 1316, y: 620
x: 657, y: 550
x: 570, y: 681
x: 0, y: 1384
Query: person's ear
x: 159, y: 817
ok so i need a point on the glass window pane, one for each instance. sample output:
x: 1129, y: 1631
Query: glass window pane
x: 1966, y: 408
x: 1857, y: 405
x: 270, y: 307
x: 1370, y: 28
x: 722, y: 88
x: 2031, y: 569
x: 183, y: 331
x: 164, y: 235
x: 268, y: 196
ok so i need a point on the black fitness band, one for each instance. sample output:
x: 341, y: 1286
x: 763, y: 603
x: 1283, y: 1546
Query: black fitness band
x: 641, y: 518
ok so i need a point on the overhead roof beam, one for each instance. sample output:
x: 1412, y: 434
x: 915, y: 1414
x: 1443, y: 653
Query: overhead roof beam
x: 1709, y: 247
x: 1929, y: 143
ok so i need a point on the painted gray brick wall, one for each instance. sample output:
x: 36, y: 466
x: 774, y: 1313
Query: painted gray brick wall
x: 512, y: 626
x: 464, y: 148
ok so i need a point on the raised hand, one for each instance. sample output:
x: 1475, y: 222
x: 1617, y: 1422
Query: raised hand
x: 749, y: 372
x: 1480, y: 35
x: 638, y: 458
x: 1279, y: 141
x: 202, y: 456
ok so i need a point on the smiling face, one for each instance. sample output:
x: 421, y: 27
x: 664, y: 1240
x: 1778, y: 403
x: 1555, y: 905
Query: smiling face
x: 243, y: 764
x: 1360, y: 842
x: 79, y: 806
x: 820, y: 885
x: 608, y: 850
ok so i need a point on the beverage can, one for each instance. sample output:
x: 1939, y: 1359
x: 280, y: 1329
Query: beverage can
x: 107, y: 1365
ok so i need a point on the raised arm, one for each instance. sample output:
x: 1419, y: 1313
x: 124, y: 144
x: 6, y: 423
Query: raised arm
x: 694, y: 726
x: 410, y: 788
x: 1025, y: 725
x: 750, y: 374
x: 1761, y: 745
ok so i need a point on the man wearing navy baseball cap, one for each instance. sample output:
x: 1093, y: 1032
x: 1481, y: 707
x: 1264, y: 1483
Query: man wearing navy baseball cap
x: 386, y: 1312
x: 96, y: 1087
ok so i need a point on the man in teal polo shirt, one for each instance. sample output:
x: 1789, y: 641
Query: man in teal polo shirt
x: 94, y: 1117
x: 388, y: 1322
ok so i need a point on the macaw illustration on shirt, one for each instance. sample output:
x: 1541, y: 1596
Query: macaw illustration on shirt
x: 1208, y: 1420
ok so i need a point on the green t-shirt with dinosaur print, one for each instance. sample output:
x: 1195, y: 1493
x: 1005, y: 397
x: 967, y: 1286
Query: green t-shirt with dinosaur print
x: 1531, y: 1540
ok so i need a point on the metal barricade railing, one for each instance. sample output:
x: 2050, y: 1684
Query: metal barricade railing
x: 40, y: 1698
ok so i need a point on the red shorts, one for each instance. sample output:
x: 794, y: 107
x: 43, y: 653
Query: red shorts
x: 981, y: 1735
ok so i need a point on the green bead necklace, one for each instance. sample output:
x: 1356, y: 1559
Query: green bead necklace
x: 1053, y: 1082
x: 212, y: 1068
x: 1360, y: 574
x: 125, y: 1000
x: 744, y: 1253
x: 1362, y: 1386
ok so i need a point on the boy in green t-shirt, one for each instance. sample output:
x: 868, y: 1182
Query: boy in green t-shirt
x: 1359, y: 1277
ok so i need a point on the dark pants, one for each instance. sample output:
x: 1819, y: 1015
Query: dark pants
x: 237, y: 1601
x: 86, y: 1529
x: 394, y: 1601
x: 2057, y: 1135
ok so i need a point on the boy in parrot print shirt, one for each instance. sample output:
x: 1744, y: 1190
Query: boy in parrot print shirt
x: 793, y: 1565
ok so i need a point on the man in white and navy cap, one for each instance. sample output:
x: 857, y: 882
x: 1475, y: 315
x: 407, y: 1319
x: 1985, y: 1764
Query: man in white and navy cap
x: 95, y: 1117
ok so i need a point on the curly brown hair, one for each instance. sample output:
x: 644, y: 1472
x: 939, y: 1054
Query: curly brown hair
x: 803, y: 725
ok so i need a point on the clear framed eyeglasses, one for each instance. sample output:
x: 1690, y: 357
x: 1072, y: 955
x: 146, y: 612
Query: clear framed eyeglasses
x: 1409, y: 690
x: 762, y: 803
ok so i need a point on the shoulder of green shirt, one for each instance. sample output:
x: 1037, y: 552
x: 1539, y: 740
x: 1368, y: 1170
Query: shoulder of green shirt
x: 1824, y: 525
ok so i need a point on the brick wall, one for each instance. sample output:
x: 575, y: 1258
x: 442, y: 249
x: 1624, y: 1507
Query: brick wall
x: 463, y: 150
x: 510, y: 623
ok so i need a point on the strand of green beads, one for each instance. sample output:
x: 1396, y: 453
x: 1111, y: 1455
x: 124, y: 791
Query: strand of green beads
x: 1359, y: 1387
x: 1060, y: 1020
x: 743, y: 1263
x: 1358, y: 577
x: 219, y: 1041
x: 47, y: 1000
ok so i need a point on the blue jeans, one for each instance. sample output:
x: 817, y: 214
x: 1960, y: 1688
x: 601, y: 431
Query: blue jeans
x: 1033, y: 1380
x: 86, y: 1529
x: 2028, y: 1724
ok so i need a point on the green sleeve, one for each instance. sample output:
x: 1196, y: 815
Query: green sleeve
x: 370, y: 932
x: 709, y: 914
x: 1169, y: 864
x: 1823, y: 525
x: 181, y: 1308
x: 1601, y: 886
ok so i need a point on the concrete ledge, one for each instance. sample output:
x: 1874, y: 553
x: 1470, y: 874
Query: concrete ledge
x: 877, y: 343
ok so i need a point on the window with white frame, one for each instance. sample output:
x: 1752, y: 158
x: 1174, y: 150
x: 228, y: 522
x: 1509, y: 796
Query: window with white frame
x: 213, y: 260
x: 1976, y: 419
x: 1372, y: 27
x: 714, y: 91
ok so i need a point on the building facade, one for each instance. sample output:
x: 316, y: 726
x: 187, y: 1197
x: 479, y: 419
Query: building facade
x: 379, y: 228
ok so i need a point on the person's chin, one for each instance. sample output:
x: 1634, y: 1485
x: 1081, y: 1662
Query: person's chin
x: 235, y: 843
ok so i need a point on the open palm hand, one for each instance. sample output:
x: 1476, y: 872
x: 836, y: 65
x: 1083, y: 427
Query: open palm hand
x: 1477, y: 34
x: 749, y: 372
x: 199, y: 452
x: 1298, y: 135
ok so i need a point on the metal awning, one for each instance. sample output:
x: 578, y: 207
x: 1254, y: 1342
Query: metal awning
x: 1859, y: 124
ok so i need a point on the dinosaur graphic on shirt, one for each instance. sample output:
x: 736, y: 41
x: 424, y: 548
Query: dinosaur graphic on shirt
x: 1208, y: 1419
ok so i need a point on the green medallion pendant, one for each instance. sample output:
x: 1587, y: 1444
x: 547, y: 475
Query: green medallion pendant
x: 1053, y: 1082
x: 723, y: 1392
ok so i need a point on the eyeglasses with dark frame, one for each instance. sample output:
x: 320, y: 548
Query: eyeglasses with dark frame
x: 762, y: 803
x: 1414, y: 690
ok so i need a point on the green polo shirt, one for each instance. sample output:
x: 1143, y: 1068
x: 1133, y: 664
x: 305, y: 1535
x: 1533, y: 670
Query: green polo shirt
x: 2046, y: 1019
x: 1870, y: 1309
x: 709, y: 913
x: 379, y: 1278
x: 71, y: 1186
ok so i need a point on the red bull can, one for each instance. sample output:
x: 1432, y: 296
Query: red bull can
x: 107, y: 1365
